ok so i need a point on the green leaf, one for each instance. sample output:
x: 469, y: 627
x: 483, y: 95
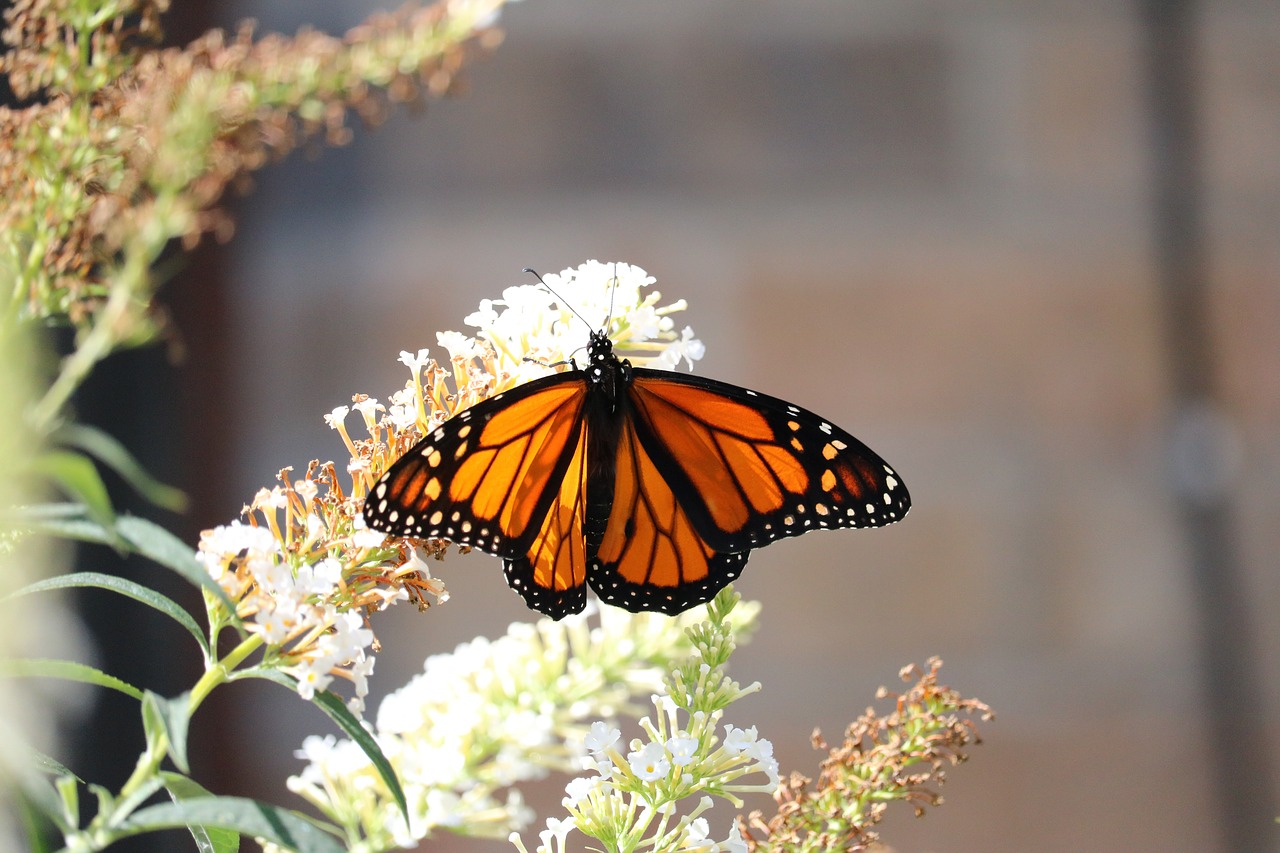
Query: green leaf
x: 129, y: 533
x: 41, y: 832
x: 79, y: 477
x: 172, y: 716
x: 66, y: 520
x: 209, y: 839
x: 338, y: 711
x: 50, y: 766
x: 136, y: 591
x: 64, y: 669
x: 154, y: 542
x: 247, y: 817
x: 109, y: 451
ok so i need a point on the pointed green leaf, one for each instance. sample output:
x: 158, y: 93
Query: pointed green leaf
x: 39, y: 828
x: 172, y: 716
x: 50, y: 766
x: 109, y: 451
x: 67, y: 520
x: 129, y: 532
x: 209, y: 839
x: 136, y: 591
x: 338, y: 711
x: 79, y: 477
x: 247, y: 817
x: 64, y: 669
x: 154, y: 542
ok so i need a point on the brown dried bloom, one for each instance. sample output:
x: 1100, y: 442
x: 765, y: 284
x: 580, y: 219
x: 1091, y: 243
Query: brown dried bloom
x: 899, y: 756
x: 126, y: 147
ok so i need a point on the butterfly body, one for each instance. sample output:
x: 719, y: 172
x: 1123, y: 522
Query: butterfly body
x: 650, y: 486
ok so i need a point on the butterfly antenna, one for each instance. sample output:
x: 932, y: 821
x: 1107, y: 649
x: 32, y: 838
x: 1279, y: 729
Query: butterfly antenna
x: 535, y: 274
x: 612, y: 295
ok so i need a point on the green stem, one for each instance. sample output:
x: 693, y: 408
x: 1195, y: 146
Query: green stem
x: 109, y: 329
x: 221, y: 671
x: 156, y: 751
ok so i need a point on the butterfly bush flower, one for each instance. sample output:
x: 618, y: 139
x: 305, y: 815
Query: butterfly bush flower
x: 634, y: 799
x: 302, y: 569
x: 493, y: 714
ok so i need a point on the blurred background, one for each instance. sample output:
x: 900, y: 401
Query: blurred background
x: 1029, y: 252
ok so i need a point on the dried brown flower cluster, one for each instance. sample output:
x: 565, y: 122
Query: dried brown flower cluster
x: 125, y: 147
x: 899, y: 756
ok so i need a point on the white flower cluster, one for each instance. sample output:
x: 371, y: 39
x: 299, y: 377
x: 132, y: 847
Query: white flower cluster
x: 536, y: 325
x: 291, y: 608
x: 491, y: 715
x: 636, y: 795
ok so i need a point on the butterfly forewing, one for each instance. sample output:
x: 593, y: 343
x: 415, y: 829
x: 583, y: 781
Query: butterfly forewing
x: 749, y: 468
x: 487, y: 476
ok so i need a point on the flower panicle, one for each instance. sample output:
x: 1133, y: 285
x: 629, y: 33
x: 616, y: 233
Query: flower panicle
x: 479, y: 721
x: 900, y: 755
x: 651, y: 792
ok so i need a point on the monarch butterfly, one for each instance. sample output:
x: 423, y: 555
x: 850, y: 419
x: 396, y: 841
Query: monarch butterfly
x: 650, y: 486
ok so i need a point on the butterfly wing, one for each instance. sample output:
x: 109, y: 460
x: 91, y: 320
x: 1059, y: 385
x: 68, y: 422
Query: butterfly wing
x: 551, y: 575
x: 705, y: 471
x: 651, y: 557
x: 506, y: 476
x: 748, y: 468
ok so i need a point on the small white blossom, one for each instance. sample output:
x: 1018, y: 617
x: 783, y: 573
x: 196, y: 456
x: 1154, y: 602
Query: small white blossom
x: 649, y: 763
x: 600, y: 737
x: 738, y: 740
x: 557, y: 830
x: 683, y: 750
x: 734, y: 843
x: 415, y: 362
x: 577, y: 790
x: 458, y: 345
x: 336, y: 418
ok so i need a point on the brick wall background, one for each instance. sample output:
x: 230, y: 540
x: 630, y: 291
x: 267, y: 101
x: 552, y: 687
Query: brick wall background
x: 929, y: 221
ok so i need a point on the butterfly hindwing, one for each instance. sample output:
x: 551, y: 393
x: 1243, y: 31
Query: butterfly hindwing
x: 651, y: 557
x: 551, y: 576
x: 749, y: 469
